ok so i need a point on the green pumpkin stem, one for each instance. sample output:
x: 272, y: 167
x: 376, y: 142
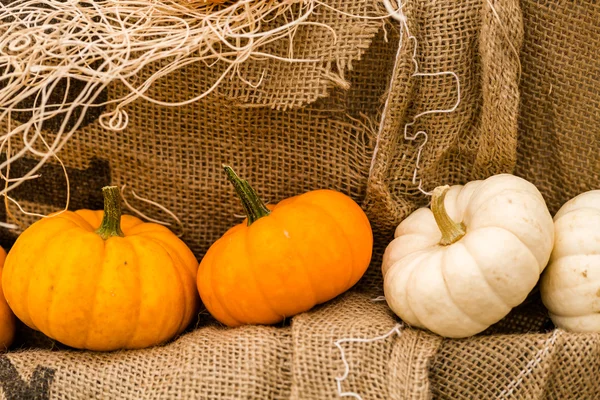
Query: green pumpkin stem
x: 451, y: 231
x: 111, y: 221
x: 253, y: 205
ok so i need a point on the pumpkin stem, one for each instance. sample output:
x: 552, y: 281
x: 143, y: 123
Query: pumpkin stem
x: 111, y: 221
x: 253, y: 205
x: 451, y: 231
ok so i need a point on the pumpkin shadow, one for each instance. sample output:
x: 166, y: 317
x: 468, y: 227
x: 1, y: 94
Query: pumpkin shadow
x: 529, y: 317
x: 29, y: 339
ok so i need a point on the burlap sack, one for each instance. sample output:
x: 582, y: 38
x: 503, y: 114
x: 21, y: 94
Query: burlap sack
x: 301, y: 362
x: 348, y: 137
x: 559, y: 124
x: 285, y: 85
x: 173, y: 155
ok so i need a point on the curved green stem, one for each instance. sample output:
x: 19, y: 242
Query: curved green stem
x: 451, y: 231
x: 111, y: 221
x: 253, y: 205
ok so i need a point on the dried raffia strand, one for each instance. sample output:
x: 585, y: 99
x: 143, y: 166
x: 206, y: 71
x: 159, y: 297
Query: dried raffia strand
x: 101, y: 42
x: 338, y: 343
x: 6, y: 141
x: 152, y: 203
x: 398, y: 14
x: 17, y: 224
x: 507, y: 393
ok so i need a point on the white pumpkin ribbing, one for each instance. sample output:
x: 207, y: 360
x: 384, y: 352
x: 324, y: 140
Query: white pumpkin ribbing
x: 460, y: 289
x: 570, y: 286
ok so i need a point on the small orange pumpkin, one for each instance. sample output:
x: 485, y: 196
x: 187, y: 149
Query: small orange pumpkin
x: 282, y: 261
x: 101, y: 281
x: 7, y: 319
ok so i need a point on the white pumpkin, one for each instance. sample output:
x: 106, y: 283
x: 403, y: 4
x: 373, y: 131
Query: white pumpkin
x: 461, y: 266
x: 570, y: 286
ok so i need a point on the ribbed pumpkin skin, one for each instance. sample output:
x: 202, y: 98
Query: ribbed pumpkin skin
x: 460, y: 289
x: 310, y: 249
x: 64, y: 280
x: 7, y: 319
x: 570, y: 285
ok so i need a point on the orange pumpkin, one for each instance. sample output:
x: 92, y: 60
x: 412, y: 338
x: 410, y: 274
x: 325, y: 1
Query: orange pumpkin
x: 7, y: 319
x: 101, y: 281
x: 284, y: 260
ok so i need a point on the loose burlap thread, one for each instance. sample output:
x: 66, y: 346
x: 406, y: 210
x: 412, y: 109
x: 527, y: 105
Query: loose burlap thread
x: 173, y: 156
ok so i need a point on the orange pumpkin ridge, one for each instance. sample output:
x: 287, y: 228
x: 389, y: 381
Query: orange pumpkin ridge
x: 284, y: 259
x: 99, y: 280
x: 7, y: 318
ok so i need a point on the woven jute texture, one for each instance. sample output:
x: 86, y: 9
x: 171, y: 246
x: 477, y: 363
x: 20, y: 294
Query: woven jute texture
x: 478, y: 139
x: 282, y: 84
x: 173, y: 155
x: 346, y: 134
x: 300, y: 361
x: 559, y: 126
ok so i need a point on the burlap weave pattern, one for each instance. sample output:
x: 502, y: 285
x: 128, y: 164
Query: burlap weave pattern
x: 173, y: 155
x: 328, y: 138
x: 301, y: 362
x: 473, y: 142
x: 212, y: 363
x: 559, y: 125
x: 317, y: 361
x: 286, y: 84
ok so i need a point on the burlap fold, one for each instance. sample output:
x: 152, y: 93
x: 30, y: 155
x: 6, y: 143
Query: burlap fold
x: 301, y: 361
x: 348, y: 136
x: 209, y: 363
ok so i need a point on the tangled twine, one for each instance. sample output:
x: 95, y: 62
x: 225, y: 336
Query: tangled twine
x: 48, y: 45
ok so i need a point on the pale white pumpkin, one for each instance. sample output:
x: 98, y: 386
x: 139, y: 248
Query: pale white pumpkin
x: 570, y: 285
x: 461, y: 266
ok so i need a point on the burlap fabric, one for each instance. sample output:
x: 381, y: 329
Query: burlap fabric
x: 559, y: 128
x: 344, y: 136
